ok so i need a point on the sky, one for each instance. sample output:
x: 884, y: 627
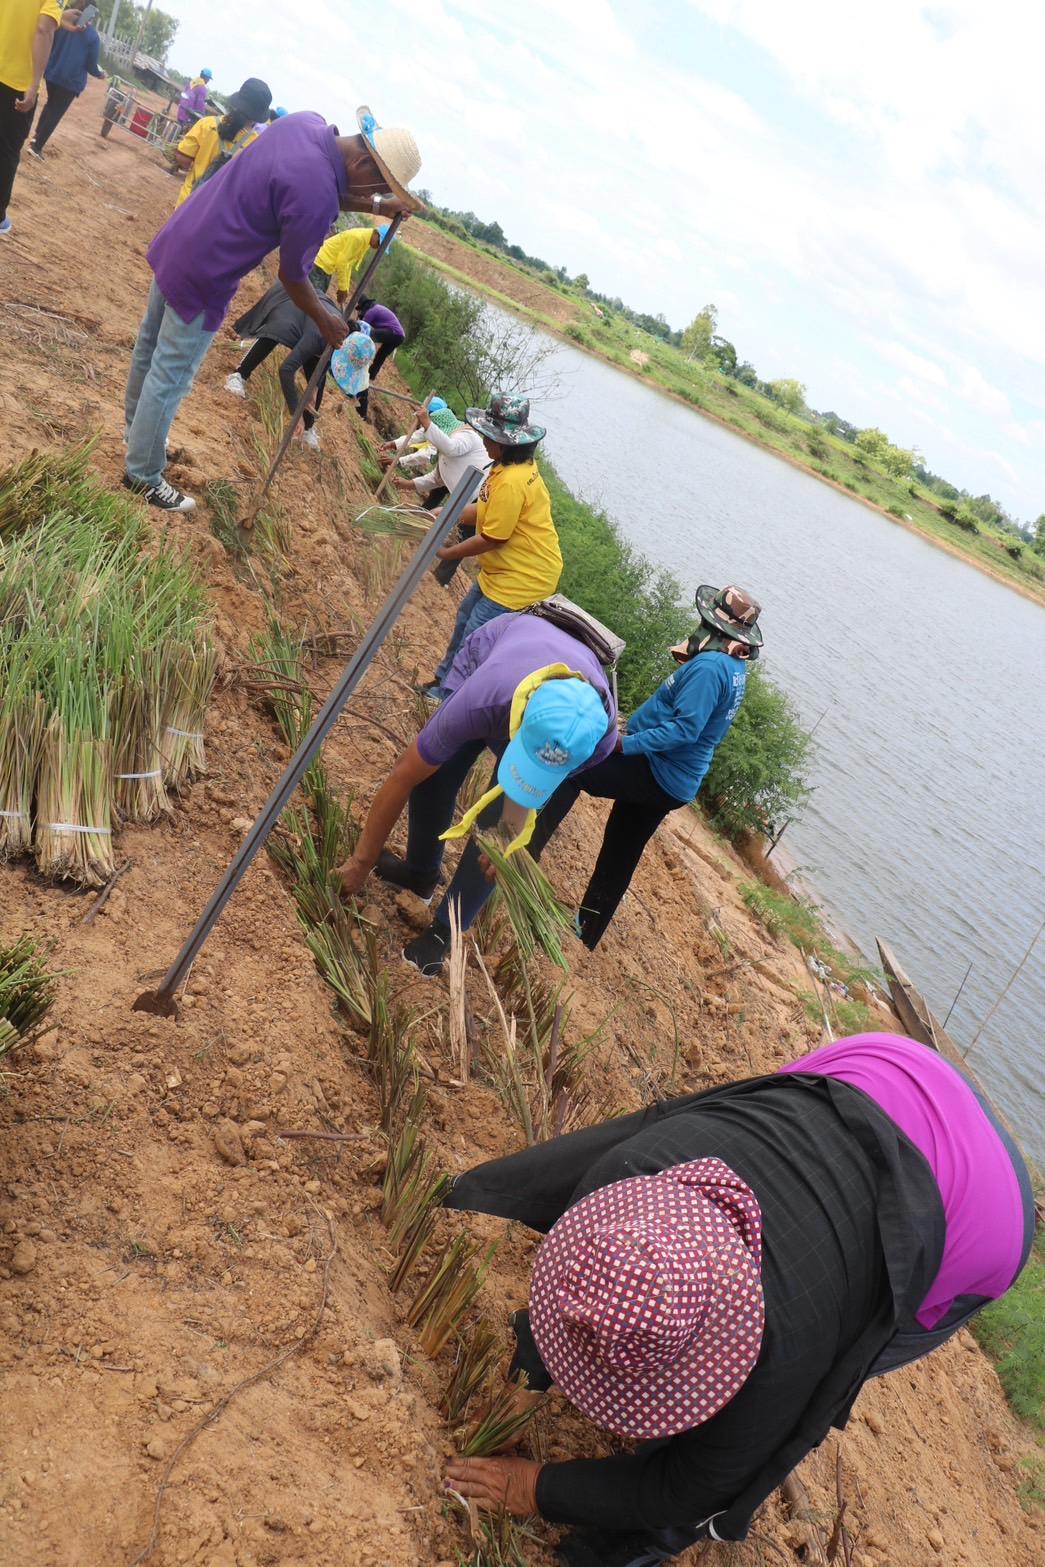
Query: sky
x: 858, y: 189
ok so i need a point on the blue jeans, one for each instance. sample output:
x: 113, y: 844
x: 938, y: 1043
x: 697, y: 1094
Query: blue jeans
x: 476, y: 609
x: 167, y: 354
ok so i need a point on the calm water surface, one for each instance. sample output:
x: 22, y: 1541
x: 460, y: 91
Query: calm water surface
x: 926, y: 825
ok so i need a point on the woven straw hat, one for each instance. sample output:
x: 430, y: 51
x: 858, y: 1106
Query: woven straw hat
x: 646, y: 1299
x: 395, y: 153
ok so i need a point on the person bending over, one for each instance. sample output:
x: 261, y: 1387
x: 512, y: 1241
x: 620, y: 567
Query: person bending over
x: 342, y: 256
x: 661, y: 761
x: 274, y: 321
x: 722, y: 1273
x: 511, y: 528
x: 286, y: 192
x: 540, y: 701
x: 387, y: 331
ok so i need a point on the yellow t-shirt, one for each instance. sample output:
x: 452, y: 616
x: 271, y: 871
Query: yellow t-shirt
x: 342, y: 254
x: 18, y: 19
x: 202, y: 144
x: 514, y: 505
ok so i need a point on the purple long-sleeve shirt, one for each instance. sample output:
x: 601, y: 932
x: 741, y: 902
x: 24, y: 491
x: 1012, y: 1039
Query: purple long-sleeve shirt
x: 933, y: 1104
x: 193, y: 101
x: 384, y: 319
x: 285, y: 189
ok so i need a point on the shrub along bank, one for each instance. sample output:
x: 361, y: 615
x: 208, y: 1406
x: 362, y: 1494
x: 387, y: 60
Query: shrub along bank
x: 758, y: 775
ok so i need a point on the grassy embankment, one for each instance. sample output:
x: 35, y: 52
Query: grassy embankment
x: 613, y: 338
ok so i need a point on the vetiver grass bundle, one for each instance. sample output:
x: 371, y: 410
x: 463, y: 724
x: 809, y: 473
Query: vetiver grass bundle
x: 529, y: 901
x: 27, y: 990
x: 501, y: 1418
x: 106, y: 666
x: 402, y: 522
x: 449, y: 1289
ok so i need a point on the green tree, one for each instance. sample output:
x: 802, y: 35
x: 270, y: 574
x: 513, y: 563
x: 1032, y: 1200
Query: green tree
x: 1039, y: 536
x: 759, y: 774
x: 790, y: 394
x: 159, y: 32
x: 722, y: 350
x: 696, y: 338
x: 582, y: 282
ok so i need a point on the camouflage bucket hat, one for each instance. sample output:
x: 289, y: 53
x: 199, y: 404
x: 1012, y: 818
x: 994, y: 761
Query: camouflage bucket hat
x: 732, y: 612
x: 506, y: 421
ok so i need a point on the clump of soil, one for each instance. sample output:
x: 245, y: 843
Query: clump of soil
x: 160, y: 1240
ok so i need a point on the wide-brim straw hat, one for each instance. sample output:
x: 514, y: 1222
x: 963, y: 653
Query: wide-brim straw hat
x: 732, y: 611
x: 646, y: 1301
x: 395, y: 152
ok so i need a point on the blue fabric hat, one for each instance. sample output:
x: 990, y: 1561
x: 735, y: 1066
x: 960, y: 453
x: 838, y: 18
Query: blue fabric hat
x: 437, y: 404
x: 280, y: 113
x: 563, y: 722
x: 206, y: 74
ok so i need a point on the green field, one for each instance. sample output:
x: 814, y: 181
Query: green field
x: 614, y: 338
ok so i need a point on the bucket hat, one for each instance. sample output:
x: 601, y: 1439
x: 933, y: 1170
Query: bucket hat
x: 731, y: 611
x: 562, y: 723
x: 253, y: 99
x: 506, y: 421
x: 395, y: 153
x: 350, y: 364
x: 646, y: 1302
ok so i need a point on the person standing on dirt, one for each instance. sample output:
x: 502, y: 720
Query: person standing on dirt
x: 512, y: 528
x: 74, y: 57
x: 660, y: 762
x: 540, y: 701
x: 387, y: 331
x: 342, y: 256
x: 286, y: 192
x: 193, y: 102
x: 273, y: 321
x: 721, y: 1273
x: 213, y: 142
x: 27, y: 30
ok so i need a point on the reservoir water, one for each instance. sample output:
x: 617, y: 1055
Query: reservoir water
x: 926, y: 825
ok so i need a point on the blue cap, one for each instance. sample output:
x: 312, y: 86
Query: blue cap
x: 437, y: 404
x: 206, y: 73
x: 280, y: 113
x: 563, y: 722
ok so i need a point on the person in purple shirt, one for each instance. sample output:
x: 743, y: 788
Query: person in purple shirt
x: 193, y: 102
x: 284, y: 191
x: 865, y: 1204
x: 540, y: 701
x: 387, y: 331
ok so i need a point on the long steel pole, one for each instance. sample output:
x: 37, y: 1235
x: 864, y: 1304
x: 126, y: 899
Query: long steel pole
x: 162, y: 1000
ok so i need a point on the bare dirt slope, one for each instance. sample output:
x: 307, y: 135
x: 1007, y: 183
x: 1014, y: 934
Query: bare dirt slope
x: 160, y: 1242
x: 504, y: 279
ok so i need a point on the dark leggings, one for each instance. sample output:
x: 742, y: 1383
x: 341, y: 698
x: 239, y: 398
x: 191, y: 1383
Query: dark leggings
x: 14, y: 128
x: 259, y: 353
x: 59, y: 99
x: 431, y: 812
x: 387, y: 342
x: 640, y: 805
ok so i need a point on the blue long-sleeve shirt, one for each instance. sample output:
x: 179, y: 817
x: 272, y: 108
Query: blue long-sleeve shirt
x: 74, y: 57
x: 679, y: 726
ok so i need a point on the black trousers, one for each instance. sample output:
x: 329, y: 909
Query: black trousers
x: 14, y: 128
x: 640, y: 805
x: 430, y: 811
x: 257, y: 355
x: 387, y: 342
x: 59, y: 99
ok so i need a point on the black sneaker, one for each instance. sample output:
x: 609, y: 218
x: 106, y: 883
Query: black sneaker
x: 432, y: 691
x: 163, y: 495
x: 428, y: 952
x: 392, y: 869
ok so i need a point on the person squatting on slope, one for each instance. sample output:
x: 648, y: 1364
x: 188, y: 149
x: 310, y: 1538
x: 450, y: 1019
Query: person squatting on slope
x: 286, y: 191
x: 721, y: 1274
x: 661, y: 761
x: 457, y: 447
x: 27, y: 29
x: 74, y: 57
x: 212, y: 141
x: 512, y: 528
x: 274, y: 321
x: 540, y: 701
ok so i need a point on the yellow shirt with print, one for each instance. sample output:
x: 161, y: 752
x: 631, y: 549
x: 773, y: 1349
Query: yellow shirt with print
x: 514, y: 505
x: 18, y: 19
x: 202, y: 144
x: 342, y: 254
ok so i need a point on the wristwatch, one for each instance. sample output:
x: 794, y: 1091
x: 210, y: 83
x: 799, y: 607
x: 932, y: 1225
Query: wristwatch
x: 376, y: 201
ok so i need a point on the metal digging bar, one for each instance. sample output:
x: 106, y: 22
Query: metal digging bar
x: 162, y: 1001
x: 319, y: 372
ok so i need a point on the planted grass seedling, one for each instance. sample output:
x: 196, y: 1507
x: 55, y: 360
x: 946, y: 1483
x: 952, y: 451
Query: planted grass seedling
x: 28, y: 987
x: 501, y: 1419
x: 449, y: 1289
x: 478, y: 1352
x: 536, y: 915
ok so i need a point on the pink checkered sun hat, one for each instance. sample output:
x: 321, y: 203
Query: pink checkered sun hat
x: 646, y: 1300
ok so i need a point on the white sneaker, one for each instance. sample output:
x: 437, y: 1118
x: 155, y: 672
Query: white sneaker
x: 236, y: 384
x: 311, y: 438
